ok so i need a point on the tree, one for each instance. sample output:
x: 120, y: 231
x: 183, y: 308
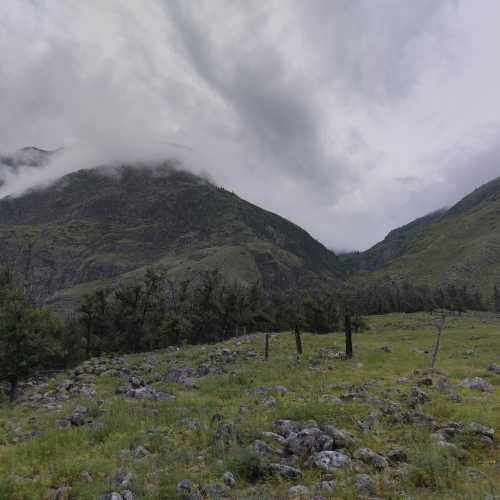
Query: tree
x: 30, y: 337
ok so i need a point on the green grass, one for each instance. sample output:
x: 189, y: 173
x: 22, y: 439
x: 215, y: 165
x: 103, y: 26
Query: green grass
x: 29, y: 469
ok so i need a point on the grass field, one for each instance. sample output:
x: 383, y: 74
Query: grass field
x: 183, y: 440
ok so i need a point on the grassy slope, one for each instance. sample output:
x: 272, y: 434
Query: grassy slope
x: 461, y: 245
x: 91, y: 226
x: 28, y: 469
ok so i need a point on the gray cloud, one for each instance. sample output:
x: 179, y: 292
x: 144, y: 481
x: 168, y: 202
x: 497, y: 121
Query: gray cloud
x: 347, y: 116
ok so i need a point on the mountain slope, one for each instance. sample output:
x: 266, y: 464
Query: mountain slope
x: 95, y: 226
x: 458, y: 245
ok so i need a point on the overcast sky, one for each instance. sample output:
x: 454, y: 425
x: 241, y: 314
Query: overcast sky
x: 349, y: 117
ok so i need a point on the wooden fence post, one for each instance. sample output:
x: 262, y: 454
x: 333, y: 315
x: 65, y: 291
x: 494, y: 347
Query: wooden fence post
x: 348, y: 336
x: 266, y: 352
x: 298, y: 341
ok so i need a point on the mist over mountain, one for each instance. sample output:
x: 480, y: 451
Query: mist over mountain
x: 94, y: 227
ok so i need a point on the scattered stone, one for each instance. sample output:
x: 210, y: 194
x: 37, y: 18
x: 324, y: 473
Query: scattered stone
x: 282, y: 390
x: 62, y: 493
x: 187, y: 490
x: 477, y: 384
x: 494, y: 368
x: 85, y: 477
x: 341, y: 439
x: 275, y: 437
x: 113, y: 495
x: 425, y: 381
x: 215, y: 491
x: 385, y: 348
x: 140, y: 452
x: 331, y: 460
x: 299, y: 491
x: 364, y: 484
x: 262, y: 449
x: 285, y: 427
x: 123, y: 477
x: 307, y: 441
x: 418, y: 397
x: 476, y: 428
x: 286, y: 471
x: 229, y: 479
x: 269, y: 402
x: 370, y: 457
x: 325, y: 487
x: 79, y: 417
x: 397, y: 455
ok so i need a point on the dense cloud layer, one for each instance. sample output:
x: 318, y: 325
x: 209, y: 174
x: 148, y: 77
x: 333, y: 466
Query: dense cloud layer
x: 349, y: 117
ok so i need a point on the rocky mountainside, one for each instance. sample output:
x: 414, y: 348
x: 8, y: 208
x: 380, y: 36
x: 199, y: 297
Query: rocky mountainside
x: 96, y: 226
x: 459, y: 245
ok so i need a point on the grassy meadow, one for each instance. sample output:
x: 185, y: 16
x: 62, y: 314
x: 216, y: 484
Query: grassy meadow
x: 180, y: 435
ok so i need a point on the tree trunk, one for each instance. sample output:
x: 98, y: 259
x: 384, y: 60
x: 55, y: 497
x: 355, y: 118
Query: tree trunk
x: 13, y: 390
x: 348, y: 336
x: 266, y: 352
x: 298, y: 341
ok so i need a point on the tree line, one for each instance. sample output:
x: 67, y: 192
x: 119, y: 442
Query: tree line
x: 154, y: 312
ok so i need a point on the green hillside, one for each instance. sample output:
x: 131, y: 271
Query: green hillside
x: 94, y: 227
x: 460, y: 245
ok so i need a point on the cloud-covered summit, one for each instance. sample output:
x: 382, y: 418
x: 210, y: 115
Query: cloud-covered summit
x: 348, y: 117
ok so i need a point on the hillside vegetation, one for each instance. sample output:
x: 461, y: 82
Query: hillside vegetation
x: 95, y: 227
x: 217, y: 421
x: 459, y: 245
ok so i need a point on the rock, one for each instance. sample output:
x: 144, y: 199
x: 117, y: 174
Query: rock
x: 187, y: 490
x: 262, y: 449
x: 397, y: 455
x: 494, y: 368
x: 307, y: 441
x: 276, y: 437
x: 162, y: 396
x: 280, y: 389
x: 370, y: 457
x: 128, y: 495
x: 215, y: 491
x: 63, y: 424
x: 425, y: 381
x: 325, y: 487
x: 123, y: 477
x: 415, y: 417
x: 477, y: 384
x: 331, y: 460
x: 62, y: 493
x: 299, y: 491
x: 113, y: 495
x: 85, y: 477
x: 140, y: 452
x: 79, y: 416
x: 476, y: 428
x: 286, y: 471
x: 385, y: 348
x: 229, y: 479
x: 341, y: 438
x: 364, y: 484
x: 418, y: 397
x: 285, y: 427
x: 269, y: 402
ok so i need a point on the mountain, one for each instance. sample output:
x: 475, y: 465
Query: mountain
x: 29, y: 157
x: 94, y: 227
x: 459, y: 245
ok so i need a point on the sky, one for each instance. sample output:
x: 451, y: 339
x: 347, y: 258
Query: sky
x: 348, y: 117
